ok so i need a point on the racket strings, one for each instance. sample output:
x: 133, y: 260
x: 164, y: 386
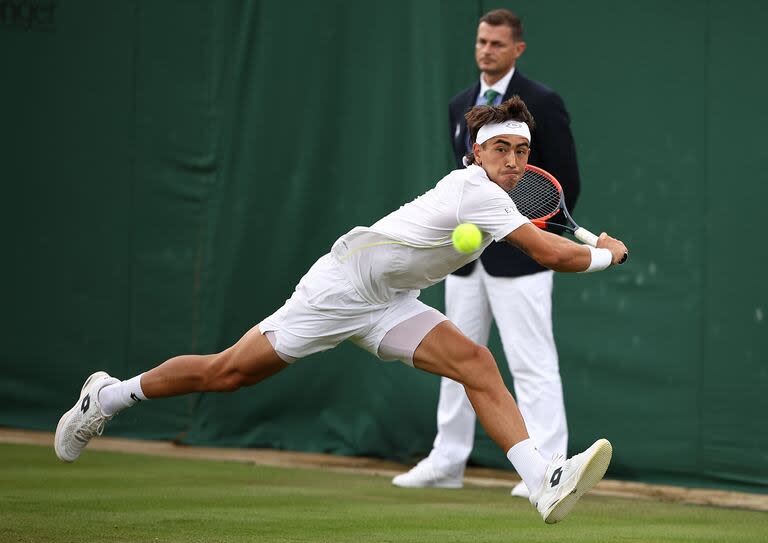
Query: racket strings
x: 535, y: 196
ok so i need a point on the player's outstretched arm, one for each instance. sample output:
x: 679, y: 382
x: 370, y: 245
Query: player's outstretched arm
x: 563, y: 255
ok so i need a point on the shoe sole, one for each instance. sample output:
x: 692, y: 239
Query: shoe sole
x: 57, y: 440
x: 591, y: 473
x: 440, y: 485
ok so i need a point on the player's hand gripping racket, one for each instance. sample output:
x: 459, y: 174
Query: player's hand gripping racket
x: 539, y: 196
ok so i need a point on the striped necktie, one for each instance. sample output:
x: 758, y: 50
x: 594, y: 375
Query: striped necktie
x: 490, y: 96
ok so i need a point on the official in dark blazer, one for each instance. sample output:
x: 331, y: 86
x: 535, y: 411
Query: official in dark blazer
x: 552, y: 148
x: 506, y: 286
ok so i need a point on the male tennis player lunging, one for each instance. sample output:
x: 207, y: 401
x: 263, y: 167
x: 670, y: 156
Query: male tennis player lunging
x: 365, y: 290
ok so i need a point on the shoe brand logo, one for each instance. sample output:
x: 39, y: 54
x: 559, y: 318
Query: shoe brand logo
x: 555, y: 479
x: 86, y: 403
x: 134, y: 397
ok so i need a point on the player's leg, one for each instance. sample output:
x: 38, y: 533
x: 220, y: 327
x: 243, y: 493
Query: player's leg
x: 558, y: 483
x: 253, y: 358
x: 249, y: 361
x: 522, y: 307
x: 447, y: 352
x: 467, y: 307
x: 424, y: 338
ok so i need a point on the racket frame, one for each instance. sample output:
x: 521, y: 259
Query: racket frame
x: 580, y: 233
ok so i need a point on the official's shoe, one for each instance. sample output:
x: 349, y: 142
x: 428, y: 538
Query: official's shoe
x: 425, y: 475
x: 521, y: 491
x: 84, y: 421
x: 567, y: 480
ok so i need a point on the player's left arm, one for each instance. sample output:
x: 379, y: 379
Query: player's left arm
x: 561, y: 254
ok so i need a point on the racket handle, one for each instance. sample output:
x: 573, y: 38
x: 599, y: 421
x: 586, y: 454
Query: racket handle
x: 585, y: 236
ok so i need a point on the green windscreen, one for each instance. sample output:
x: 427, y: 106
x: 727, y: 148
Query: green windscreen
x: 171, y: 169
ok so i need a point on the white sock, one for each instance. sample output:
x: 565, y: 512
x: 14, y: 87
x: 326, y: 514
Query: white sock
x: 114, y: 398
x: 529, y: 463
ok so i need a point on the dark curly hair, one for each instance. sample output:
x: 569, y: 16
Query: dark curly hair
x: 513, y: 109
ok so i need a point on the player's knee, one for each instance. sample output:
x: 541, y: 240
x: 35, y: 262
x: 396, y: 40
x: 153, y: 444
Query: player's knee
x: 222, y: 375
x: 476, y: 366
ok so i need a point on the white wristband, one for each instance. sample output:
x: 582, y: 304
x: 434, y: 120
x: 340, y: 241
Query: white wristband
x: 601, y: 259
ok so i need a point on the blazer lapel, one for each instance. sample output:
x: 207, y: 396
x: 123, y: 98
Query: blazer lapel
x: 512, y: 88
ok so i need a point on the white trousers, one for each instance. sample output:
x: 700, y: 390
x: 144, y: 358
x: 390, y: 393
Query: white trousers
x: 522, y: 308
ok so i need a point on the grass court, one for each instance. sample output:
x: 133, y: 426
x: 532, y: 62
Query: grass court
x: 123, y: 497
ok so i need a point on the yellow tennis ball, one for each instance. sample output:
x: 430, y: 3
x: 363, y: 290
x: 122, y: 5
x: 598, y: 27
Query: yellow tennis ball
x: 467, y: 238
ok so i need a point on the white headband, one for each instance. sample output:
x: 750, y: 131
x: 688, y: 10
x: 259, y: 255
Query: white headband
x: 488, y: 131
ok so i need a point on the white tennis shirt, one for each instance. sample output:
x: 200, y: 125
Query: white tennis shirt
x: 411, y: 249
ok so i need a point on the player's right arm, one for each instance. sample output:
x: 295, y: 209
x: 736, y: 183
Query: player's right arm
x: 561, y: 254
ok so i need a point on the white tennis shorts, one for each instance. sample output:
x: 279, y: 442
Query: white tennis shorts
x: 325, y: 309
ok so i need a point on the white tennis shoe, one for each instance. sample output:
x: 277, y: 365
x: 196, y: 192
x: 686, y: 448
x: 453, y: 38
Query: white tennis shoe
x: 425, y: 475
x: 566, y: 481
x: 84, y: 421
x: 520, y: 491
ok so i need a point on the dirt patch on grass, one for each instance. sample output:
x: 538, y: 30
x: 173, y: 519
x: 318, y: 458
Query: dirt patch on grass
x: 369, y: 466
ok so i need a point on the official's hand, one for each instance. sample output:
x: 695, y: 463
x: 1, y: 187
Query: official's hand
x: 618, y: 250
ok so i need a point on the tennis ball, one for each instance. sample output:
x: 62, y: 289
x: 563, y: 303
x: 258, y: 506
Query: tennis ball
x: 467, y: 238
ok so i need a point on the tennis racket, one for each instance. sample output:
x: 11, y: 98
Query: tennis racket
x: 539, y: 196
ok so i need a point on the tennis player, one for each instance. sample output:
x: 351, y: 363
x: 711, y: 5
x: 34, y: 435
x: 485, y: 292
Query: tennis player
x: 365, y: 290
